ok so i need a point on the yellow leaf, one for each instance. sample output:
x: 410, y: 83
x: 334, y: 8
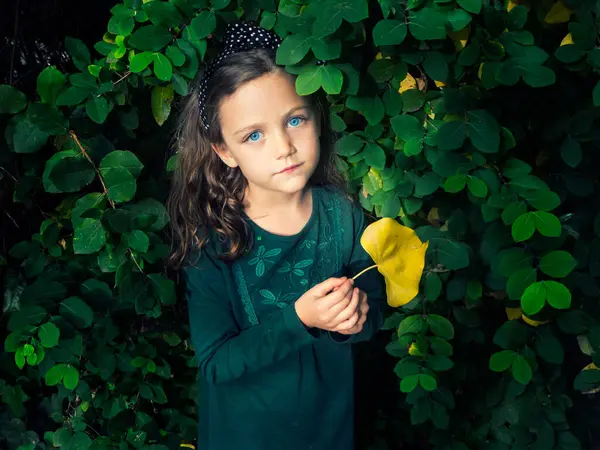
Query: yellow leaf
x: 409, y: 82
x: 513, y: 313
x: 460, y: 38
x: 591, y: 366
x: 559, y: 13
x: 568, y: 39
x: 375, y: 176
x: 480, y: 71
x: 439, y: 84
x: 433, y: 217
x: 399, y: 255
x: 415, y: 350
x: 511, y: 5
x: 533, y: 323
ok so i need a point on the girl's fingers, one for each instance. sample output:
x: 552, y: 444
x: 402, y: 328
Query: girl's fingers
x: 343, y: 314
x: 338, y: 295
x: 324, y: 288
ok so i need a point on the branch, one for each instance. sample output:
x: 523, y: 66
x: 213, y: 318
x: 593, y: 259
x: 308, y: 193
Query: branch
x: 84, y: 153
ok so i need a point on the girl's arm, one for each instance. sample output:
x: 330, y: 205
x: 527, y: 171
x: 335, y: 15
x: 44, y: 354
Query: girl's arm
x: 371, y: 282
x: 223, y: 351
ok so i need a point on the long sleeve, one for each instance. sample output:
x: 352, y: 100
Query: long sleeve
x: 223, y: 351
x: 370, y: 282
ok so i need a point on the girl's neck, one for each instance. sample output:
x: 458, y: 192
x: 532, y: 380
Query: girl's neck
x: 279, y: 213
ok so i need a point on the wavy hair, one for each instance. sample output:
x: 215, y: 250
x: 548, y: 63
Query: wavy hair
x: 207, y: 194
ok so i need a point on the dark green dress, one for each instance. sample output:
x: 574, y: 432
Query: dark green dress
x: 266, y: 382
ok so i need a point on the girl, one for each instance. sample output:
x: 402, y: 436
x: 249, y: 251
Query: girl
x: 267, y: 240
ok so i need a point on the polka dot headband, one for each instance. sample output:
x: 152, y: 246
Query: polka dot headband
x: 239, y: 37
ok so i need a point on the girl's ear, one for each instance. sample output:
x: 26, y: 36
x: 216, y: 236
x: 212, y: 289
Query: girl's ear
x: 223, y: 152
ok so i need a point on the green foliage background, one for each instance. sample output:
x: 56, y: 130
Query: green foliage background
x: 474, y: 122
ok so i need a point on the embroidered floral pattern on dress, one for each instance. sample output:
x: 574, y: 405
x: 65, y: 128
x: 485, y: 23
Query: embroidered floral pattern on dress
x: 262, y: 258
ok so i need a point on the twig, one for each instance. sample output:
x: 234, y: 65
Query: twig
x: 135, y: 261
x: 10, y: 217
x: 14, y: 44
x: 84, y: 153
x: 363, y: 271
x: 122, y: 78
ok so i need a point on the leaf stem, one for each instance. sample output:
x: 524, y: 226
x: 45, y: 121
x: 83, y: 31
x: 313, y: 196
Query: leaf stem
x: 84, y: 153
x: 363, y: 271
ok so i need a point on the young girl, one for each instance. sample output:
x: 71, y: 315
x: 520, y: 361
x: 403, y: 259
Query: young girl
x: 268, y: 242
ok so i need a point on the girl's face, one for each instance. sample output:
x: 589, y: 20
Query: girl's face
x: 271, y: 134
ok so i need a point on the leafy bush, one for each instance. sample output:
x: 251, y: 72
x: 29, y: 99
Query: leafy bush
x: 474, y: 122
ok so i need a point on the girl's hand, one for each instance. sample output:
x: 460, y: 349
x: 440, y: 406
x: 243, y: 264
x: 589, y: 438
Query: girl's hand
x: 327, y: 304
x: 355, y: 324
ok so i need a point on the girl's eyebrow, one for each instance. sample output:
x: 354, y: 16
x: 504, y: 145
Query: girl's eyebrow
x: 258, y: 125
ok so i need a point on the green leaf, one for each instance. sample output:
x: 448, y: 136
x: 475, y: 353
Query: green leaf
x: 477, y: 187
x: 455, y: 183
x: 513, y: 211
x: 439, y: 363
x: 570, y: 151
x: 501, y: 361
x: 49, y: 335
x: 50, y: 83
x: 452, y: 135
x: 459, y: 19
x: 411, y: 324
x: 121, y: 159
x: 120, y: 184
x: 389, y: 32
x: 175, y: 55
x: 12, y: 100
x: 543, y: 200
x: 440, y: 326
x: 70, y: 377
x: 427, y: 184
x: 436, y: 66
x: 331, y: 79
x: 428, y: 382
x: 409, y: 383
x: 293, y: 49
x: 77, y: 311
x: 78, y: 51
x: 140, y: 61
x: 558, y: 295
x: 407, y: 127
x: 549, y: 347
x: 72, y: 96
x: 163, y: 289
x: 523, y: 227
x: 162, y: 13
x: 484, y: 131
x: 137, y: 240
x: 326, y: 49
x: 519, y: 281
x: 97, y: 108
x: 70, y: 174
x: 47, y: 119
x: 55, y: 374
x: 511, y: 335
x: 27, y: 137
x: 427, y: 23
x: 521, y: 370
x: 89, y: 237
x: 162, y: 97
x: 547, y: 224
x: 473, y: 6
x: 349, y: 145
x: 557, y: 264
x: 162, y: 67
x: 153, y: 38
x: 534, y: 298
x: 374, y: 155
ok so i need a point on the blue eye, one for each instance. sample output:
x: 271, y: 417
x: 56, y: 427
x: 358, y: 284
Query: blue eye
x: 296, y: 121
x: 255, y: 136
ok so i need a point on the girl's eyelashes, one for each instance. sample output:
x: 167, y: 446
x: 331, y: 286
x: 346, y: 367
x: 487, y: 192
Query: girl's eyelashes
x: 293, y: 122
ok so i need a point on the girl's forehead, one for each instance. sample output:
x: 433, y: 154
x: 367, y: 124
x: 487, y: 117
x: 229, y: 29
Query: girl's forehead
x: 269, y: 94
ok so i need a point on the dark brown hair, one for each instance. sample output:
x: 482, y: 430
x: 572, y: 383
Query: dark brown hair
x: 207, y: 194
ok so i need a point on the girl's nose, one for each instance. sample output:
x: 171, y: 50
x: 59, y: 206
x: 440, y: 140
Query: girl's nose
x: 283, y: 145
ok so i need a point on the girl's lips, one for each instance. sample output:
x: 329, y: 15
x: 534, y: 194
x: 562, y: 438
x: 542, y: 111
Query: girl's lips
x: 290, y: 169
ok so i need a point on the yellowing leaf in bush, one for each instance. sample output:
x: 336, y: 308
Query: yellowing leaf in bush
x: 460, y: 38
x: 591, y: 366
x: 517, y: 313
x: 409, y: 82
x: 399, y: 255
x: 439, y: 84
x: 513, y: 313
x: 568, y: 39
x: 559, y: 13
